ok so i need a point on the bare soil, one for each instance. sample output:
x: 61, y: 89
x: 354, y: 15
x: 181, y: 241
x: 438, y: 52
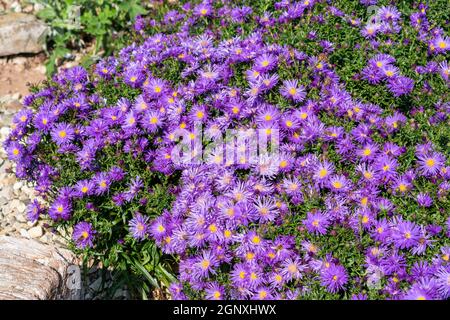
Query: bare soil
x: 18, y: 72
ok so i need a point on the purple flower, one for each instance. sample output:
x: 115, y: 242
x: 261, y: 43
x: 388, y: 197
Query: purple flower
x: 405, y: 234
x: 35, y: 209
x: 292, y: 90
x: 334, y: 277
x: 424, y: 200
x: 316, y: 222
x: 400, y: 85
x: 15, y: 151
x: 443, y: 282
x: 214, y: 291
x: 430, y: 163
x: 61, y: 208
x: 63, y: 133
x: 139, y: 226
x: 83, y: 234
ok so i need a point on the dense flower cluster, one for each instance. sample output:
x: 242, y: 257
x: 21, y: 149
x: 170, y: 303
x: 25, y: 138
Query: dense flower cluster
x: 347, y: 177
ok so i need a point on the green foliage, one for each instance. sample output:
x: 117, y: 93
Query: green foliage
x: 74, y: 23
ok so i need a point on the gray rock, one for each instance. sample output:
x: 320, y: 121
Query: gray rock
x: 21, y: 33
x: 33, y: 270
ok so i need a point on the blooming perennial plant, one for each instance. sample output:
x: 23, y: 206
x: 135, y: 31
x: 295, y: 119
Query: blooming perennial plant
x: 353, y: 205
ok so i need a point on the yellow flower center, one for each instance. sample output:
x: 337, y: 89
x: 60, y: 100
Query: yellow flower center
x: 200, y: 114
x: 205, y: 264
x: 323, y: 172
x: 153, y: 120
x: 292, y: 268
x: 62, y: 134
x: 15, y: 151
x: 364, y: 201
x: 256, y: 240
x: 337, y: 184
x: 430, y: 162
x: 368, y: 175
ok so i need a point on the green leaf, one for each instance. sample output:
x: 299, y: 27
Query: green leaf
x: 46, y: 14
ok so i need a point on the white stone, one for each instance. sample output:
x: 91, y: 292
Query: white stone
x: 32, y: 223
x: 5, y: 131
x: 18, y: 185
x: 24, y: 233
x: 36, y: 232
x: 21, y: 218
x: 21, y: 207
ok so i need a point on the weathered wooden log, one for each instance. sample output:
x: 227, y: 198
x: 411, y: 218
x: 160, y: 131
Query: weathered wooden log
x: 33, y: 270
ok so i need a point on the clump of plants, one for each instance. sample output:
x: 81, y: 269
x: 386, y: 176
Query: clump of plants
x: 75, y: 24
x: 352, y: 205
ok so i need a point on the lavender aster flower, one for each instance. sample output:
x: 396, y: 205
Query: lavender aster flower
x: 83, y: 234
